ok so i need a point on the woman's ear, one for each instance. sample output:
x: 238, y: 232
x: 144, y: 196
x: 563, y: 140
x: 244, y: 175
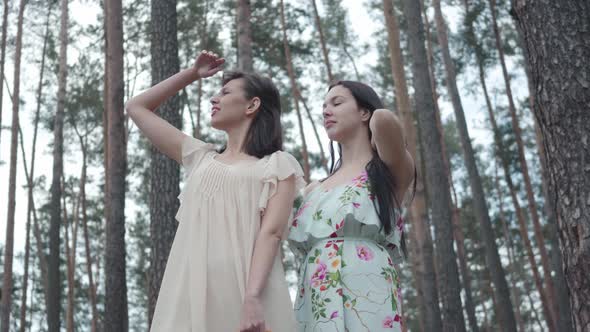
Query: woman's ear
x: 253, y: 106
x: 365, y: 115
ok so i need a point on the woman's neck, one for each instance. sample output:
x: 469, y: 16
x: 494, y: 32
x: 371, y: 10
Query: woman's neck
x: 357, y: 150
x: 236, y: 139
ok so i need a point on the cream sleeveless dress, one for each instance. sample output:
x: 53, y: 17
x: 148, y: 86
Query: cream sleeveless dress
x: 219, y: 218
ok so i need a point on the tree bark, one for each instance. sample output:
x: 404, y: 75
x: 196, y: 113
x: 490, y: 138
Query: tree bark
x: 3, y: 55
x: 294, y: 90
x: 498, y: 276
x: 245, y: 62
x: 116, y: 314
x: 427, y: 293
x: 164, y: 172
x: 560, y: 79
x: 549, y: 288
x: 318, y: 24
x: 564, y: 314
x: 437, y: 182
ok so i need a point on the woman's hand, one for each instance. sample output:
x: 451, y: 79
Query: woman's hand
x: 207, y: 64
x: 252, y: 315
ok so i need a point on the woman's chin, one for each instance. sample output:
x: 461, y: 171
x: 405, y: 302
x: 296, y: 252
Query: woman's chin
x: 333, y: 135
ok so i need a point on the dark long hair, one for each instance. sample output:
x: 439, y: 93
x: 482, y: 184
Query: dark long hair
x: 265, y: 135
x: 383, y: 185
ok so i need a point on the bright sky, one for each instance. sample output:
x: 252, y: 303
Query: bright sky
x: 362, y: 24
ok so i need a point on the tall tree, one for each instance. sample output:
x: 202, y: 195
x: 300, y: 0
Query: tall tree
x: 7, y: 279
x: 457, y: 227
x: 549, y: 288
x: 164, y: 173
x: 244, y: 36
x: 510, y: 247
x: 563, y: 311
x: 436, y: 179
x: 116, y: 311
x: 88, y: 254
x: 502, y: 152
x: 427, y: 291
x: 561, y: 108
x: 31, y: 175
x: 3, y: 54
x: 502, y: 291
x: 54, y: 277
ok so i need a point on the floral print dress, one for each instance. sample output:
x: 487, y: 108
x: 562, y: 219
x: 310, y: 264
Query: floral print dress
x: 347, y: 281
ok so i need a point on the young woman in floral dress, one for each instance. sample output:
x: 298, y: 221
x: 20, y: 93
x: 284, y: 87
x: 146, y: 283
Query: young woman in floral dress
x: 349, y: 226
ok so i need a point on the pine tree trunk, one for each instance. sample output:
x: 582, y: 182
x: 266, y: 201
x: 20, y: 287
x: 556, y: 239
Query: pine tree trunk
x: 427, y: 293
x: 23, y: 304
x: 3, y: 55
x: 294, y: 90
x: 511, y: 260
x: 88, y: 255
x: 502, y: 292
x: 116, y: 312
x: 54, y: 277
x: 550, y: 292
x: 31, y: 176
x: 502, y: 154
x: 561, y: 85
x: 564, y: 314
x: 437, y: 182
x: 245, y: 62
x: 457, y: 231
x: 69, y: 264
x: 164, y: 172
x: 318, y: 24
x: 7, y: 279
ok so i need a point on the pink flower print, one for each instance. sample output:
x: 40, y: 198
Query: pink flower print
x: 356, y: 205
x: 388, y: 322
x: 319, y: 275
x: 333, y: 235
x: 360, y: 180
x: 340, y: 224
x: 339, y: 291
x: 294, y: 223
x: 334, y: 315
x: 371, y: 197
x: 398, y: 318
x: 389, y: 261
x: 300, y: 210
x: 364, y: 253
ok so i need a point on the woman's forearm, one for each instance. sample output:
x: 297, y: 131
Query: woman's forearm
x: 156, y: 95
x: 265, y: 251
